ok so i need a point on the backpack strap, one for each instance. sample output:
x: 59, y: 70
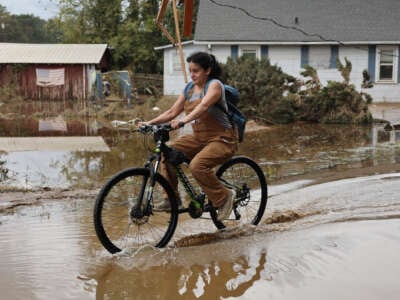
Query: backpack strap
x: 187, y: 89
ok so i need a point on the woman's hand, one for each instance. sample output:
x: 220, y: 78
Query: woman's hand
x: 175, y: 124
x: 144, y: 123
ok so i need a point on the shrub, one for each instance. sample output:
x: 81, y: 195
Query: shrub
x: 270, y: 95
x: 337, y: 102
x: 264, y: 89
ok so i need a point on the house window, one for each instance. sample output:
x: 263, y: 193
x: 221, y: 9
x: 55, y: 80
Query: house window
x: 176, y: 62
x: 386, y: 64
x: 320, y: 57
x: 249, y: 52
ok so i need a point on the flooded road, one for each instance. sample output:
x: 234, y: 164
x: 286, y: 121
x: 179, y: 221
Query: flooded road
x: 331, y: 229
x: 336, y: 240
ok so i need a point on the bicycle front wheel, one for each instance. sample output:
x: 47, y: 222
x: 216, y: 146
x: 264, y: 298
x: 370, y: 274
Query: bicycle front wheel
x: 243, y: 175
x: 121, y: 224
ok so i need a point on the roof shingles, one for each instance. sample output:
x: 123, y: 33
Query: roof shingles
x: 322, y: 20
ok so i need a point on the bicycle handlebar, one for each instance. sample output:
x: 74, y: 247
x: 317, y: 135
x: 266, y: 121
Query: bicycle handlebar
x: 154, y: 128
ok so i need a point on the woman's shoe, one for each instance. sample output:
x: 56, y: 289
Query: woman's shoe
x: 225, y: 210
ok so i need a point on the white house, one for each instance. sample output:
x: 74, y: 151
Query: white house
x: 293, y: 34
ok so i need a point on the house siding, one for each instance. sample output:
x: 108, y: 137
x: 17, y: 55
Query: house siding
x: 174, y: 81
x: 290, y: 58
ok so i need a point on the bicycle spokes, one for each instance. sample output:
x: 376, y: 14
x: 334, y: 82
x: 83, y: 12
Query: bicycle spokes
x: 124, y: 217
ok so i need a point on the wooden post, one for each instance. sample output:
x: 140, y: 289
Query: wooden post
x: 188, y: 18
x: 159, y: 18
x: 178, y: 37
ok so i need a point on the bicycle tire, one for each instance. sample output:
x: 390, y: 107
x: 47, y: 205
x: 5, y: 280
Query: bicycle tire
x: 249, y: 182
x: 115, y: 227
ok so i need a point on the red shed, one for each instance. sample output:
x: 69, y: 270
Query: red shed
x: 53, y: 71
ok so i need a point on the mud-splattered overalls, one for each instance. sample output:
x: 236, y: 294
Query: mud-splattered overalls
x: 209, y: 146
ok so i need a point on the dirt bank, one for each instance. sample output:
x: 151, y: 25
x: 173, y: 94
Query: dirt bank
x: 11, y: 199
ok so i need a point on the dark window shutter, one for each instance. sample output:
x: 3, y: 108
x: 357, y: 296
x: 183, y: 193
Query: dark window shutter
x: 334, y: 56
x: 264, y: 51
x: 235, y: 52
x: 304, y: 56
x: 371, y: 61
x: 398, y: 65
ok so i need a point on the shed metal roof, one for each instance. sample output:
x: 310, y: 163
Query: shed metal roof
x: 52, y: 53
x: 365, y: 21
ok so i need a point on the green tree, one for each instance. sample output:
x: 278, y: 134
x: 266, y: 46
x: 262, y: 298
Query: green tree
x: 29, y: 29
x: 5, y: 24
x: 131, y: 32
x: 90, y: 21
x: 138, y: 36
x: 23, y: 28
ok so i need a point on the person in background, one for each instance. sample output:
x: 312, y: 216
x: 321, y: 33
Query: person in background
x: 214, y: 139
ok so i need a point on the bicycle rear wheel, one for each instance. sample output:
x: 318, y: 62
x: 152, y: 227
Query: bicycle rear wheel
x: 243, y: 175
x: 118, y: 226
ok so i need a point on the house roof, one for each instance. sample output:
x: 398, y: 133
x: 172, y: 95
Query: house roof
x: 172, y: 46
x: 300, y: 21
x: 52, y: 53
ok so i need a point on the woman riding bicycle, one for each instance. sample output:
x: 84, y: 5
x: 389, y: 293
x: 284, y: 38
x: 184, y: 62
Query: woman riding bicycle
x: 214, y: 139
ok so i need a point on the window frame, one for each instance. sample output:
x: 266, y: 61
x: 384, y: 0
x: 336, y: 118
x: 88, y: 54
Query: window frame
x: 175, y: 62
x: 255, y: 49
x: 394, y: 64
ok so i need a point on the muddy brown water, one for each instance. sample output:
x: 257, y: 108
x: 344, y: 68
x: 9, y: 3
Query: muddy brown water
x: 331, y: 229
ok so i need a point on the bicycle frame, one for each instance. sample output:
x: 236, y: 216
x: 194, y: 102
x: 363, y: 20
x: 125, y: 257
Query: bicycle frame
x: 196, y: 207
x: 240, y: 173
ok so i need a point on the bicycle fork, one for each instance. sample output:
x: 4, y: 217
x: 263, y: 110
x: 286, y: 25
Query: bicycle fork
x: 139, y: 210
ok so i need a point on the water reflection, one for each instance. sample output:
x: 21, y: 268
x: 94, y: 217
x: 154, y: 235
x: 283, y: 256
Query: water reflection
x: 53, y: 126
x: 283, y: 151
x: 288, y: 265
x: 218, y: 278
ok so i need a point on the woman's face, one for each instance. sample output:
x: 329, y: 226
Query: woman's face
x: 198, y: 74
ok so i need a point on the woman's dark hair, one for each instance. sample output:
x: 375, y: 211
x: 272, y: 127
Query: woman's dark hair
x: 206, y: 60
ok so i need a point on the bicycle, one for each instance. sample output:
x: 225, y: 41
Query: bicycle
x: 125, y: 213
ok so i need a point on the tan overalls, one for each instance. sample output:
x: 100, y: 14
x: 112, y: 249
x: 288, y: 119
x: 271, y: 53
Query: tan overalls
x: 209, y: 146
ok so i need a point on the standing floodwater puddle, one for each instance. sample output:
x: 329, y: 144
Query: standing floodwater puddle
x: 301, y: 150
x: 312, y: 239
x: 51, y: 249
